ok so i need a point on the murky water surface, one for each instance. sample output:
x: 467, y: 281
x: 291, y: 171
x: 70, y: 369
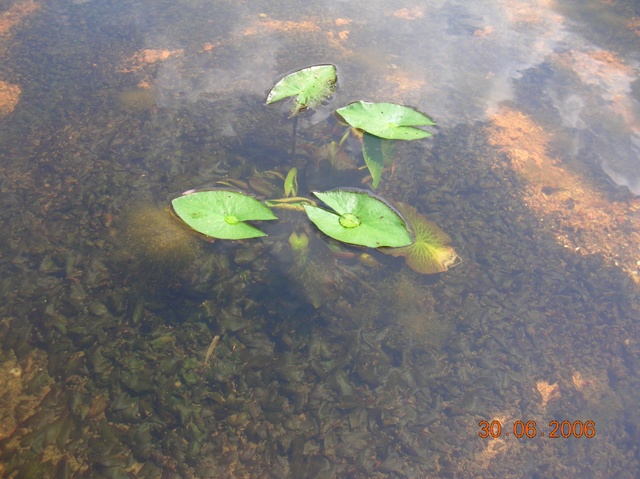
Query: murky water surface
x: 130, y: 347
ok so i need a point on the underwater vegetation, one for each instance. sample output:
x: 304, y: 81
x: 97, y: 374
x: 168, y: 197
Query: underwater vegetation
x: 402, y: 304
x: 160, y: 252
x: 137, y: 99
x: 337, y: 158
x: 154, y: 239
x: 161, y: 353
x: 430, y: 252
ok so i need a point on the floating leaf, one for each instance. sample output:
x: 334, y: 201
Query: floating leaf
x: 359, y: 218
x: 430, y: 251
x: 311, y: 86
x: 386, y: 120
x: 222, y: 213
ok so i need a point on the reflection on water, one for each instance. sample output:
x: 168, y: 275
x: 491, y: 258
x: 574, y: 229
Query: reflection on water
x: 130, y: 348
x: 459, y: 60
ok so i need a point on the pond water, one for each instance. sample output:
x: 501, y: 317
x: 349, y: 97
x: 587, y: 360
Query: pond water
x: 132, y: 348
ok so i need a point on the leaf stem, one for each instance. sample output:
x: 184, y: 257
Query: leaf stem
x: 293, y: 137
x: 344, y: 137
x: 294, y: 203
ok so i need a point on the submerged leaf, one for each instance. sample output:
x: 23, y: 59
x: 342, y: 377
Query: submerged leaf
x: 337, y: 157
x: 311, y: 86
x: 359, y: 218
x: 221, y: 213
x: 291, y: 183
x: 430, y: 251
x: 372, y: 153
x: 299, y: 243
x: 377, y: 153
x: 386, y: 120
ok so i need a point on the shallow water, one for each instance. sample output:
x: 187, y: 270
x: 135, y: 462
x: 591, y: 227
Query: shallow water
x: 132, y: 348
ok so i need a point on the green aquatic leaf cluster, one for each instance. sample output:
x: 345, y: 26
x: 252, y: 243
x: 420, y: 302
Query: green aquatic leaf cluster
x: 358, y: 218
x: 350, y: 216
x: 378, y: 122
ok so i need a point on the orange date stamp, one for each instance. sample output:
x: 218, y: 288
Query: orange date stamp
x: 529, y: 429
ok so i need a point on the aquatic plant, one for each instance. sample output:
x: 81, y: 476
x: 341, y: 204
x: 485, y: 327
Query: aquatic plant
x: 359, y: 218
x: 300, y: 247
x: 335, y: 155
x: 291, y: 182
x: 379, y: 122
x: 431, y: 250
x: 376, y: 121
x: 386, y: 120
x: 310, y: 86
x: 137, y: 99
x: 377, y: 153
x: 157, y: 248
x: 354, y: 216
x: 222, y: 213
x: 299, y: 243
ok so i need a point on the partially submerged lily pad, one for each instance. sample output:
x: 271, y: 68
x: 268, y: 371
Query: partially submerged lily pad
x: 359, y: 218
x: 222, y: 213
x: 430, y: 251
x: 386, y: 120
x: 311, y: 86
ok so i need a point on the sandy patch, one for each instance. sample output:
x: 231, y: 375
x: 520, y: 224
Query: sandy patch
x: 565, y: 197
x: 16, y: 14
x: 412, y: 13
x: 9, y: 97
x: 143, y: 58
x: 265, y: 24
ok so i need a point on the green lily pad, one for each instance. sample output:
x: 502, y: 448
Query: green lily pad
x: 359, y: 218
x: 386, y: 120
x: 222, y: 213
x: 430, y: 251
x: 311, y: 86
